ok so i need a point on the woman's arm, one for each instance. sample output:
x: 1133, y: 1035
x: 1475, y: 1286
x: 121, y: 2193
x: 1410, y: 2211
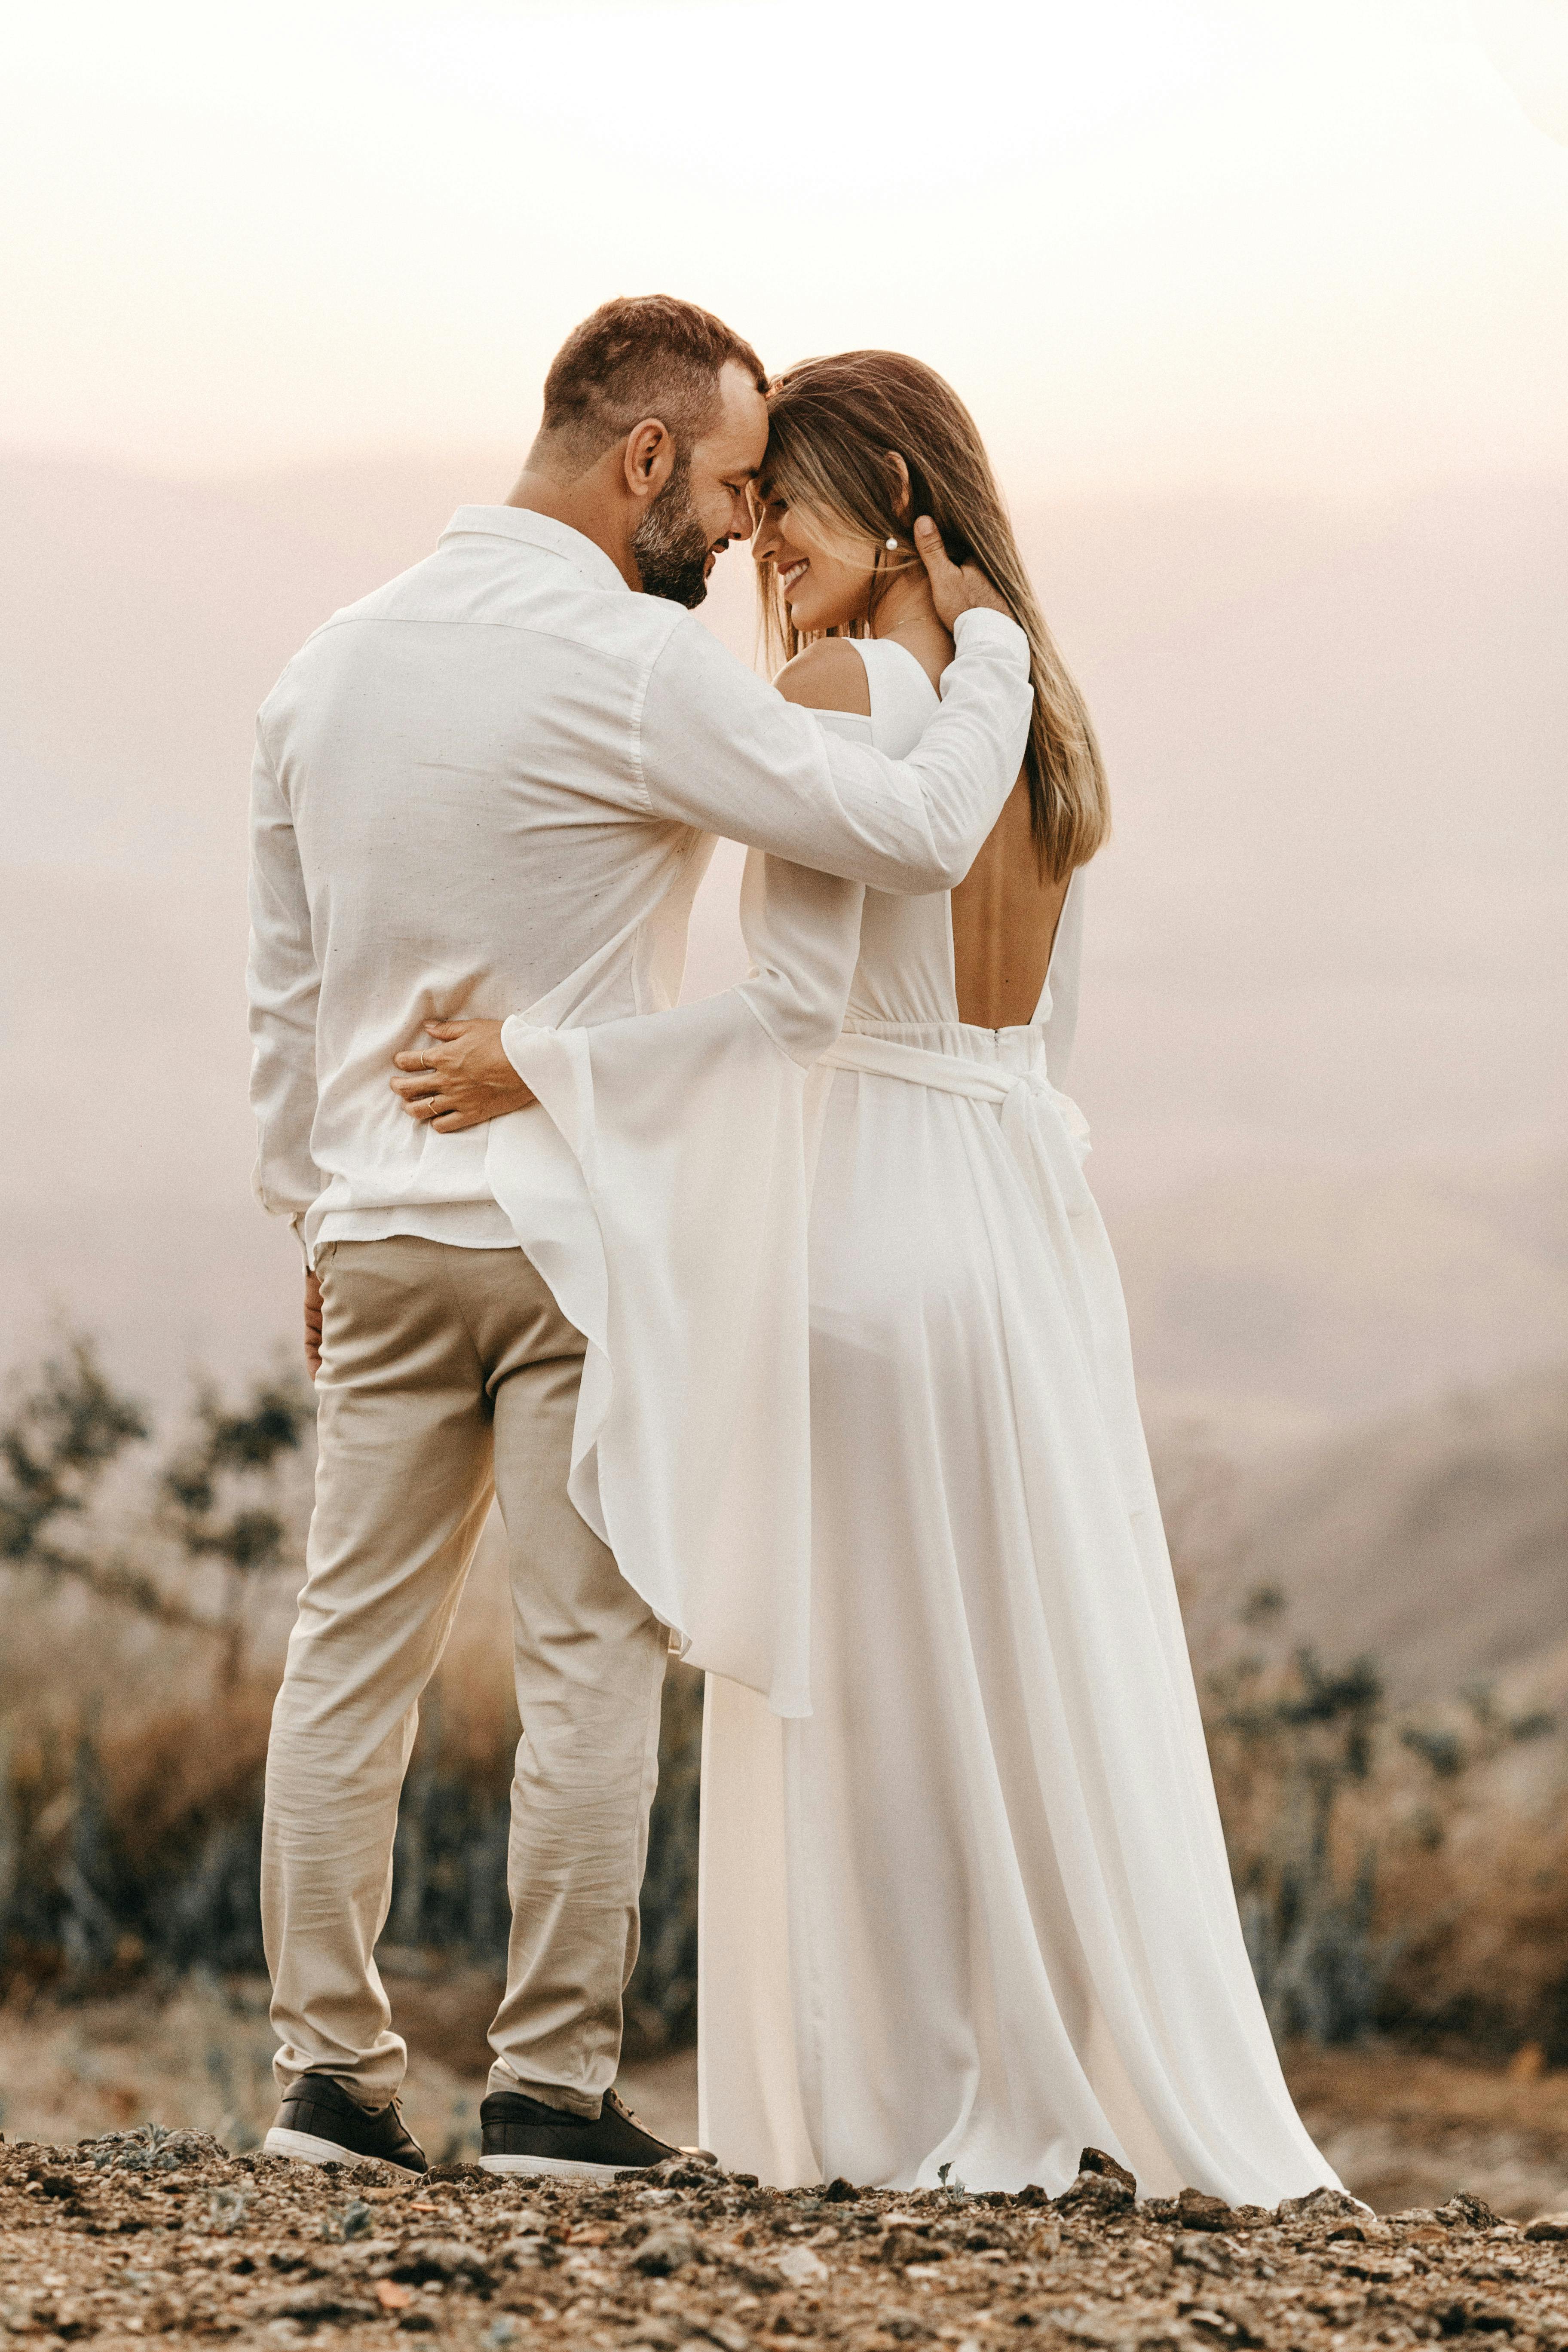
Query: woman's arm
x: 802, y: 931
x: 460, y: 1076
x: 719, y: 753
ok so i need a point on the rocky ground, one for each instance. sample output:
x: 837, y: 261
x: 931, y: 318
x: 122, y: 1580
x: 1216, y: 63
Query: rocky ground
x: 118, y: 2231
x: 146, y: 2236
x: 1399, y: 2127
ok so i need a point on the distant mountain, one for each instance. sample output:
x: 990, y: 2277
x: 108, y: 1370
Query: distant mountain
x: 1339, y: 1292
x: 1435, y: 1538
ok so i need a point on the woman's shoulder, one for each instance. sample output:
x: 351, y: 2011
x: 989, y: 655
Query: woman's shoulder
x: 827, y: 676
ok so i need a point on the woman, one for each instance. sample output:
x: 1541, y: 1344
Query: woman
x: 972, y: 1911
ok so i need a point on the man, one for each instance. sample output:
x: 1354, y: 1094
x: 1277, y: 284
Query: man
x: 464, y: 787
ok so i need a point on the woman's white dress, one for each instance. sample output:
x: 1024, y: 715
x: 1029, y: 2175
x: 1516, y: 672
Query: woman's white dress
x: 965, y: 1894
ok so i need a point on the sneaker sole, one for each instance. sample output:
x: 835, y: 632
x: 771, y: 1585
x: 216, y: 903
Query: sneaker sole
x: 559, y: 2167
x: 304, y: 2147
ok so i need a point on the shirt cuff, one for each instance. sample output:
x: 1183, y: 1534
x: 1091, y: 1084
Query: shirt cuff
x: 980, y: 626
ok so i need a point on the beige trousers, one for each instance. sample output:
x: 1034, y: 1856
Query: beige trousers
x: 448, y: 1375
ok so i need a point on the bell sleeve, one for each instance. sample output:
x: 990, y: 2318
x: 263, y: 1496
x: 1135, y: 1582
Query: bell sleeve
x: 661, y: 1186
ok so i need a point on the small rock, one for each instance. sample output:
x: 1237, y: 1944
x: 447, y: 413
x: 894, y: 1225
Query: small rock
x: 1471, y: 2316
x: 1200, y: 2253
x: 1467, y: 2212
x: 1196, y: 2210
x: 1235, y: 2322
x: 801, y: 2267
x: 441, y: 2257
x: 1318, y: 2205
x: 728, y: 2334
x: 317, y: 2304
x: 1094, y: 2160
x: 754, y: 2279
x: 366, y: 2252
x: 1098, y: 2194
x: 901, y: 2245
x: 533, y: 2247
x: 1547, y: 2225
x: 669, y: 2247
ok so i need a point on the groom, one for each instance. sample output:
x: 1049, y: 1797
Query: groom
x: 464, y: 787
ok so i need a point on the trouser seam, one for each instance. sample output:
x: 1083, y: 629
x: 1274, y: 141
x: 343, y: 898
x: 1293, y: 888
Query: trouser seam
x: 449, y: 1274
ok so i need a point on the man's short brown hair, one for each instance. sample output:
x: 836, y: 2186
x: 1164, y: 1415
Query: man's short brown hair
x: 641, y: 356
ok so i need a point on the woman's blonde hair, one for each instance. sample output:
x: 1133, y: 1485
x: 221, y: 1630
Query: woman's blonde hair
x: 836, y: 423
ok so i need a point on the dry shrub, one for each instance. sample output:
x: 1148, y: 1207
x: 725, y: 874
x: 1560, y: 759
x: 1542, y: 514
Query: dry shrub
x: 1407, y: 1873
x: 1480, y: 1925
x: 184, y: 1767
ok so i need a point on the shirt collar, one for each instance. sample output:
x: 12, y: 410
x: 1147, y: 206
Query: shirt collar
x: 539, y: 530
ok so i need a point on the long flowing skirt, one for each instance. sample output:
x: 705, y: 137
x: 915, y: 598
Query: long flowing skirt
x: 975, y: 1909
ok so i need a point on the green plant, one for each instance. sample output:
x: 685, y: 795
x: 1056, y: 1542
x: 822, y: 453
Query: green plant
x: 1290, y: 1742
x: 216, y: 1499
x: 211, y: 1501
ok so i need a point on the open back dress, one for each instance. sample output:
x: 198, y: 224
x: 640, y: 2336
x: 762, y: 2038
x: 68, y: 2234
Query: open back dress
x: 965, y: 1894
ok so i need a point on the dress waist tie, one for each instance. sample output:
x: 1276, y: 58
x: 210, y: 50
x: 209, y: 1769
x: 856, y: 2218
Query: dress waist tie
x: 954, y: 1074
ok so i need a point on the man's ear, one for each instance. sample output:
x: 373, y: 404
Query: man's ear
x: 900, y: 474
x: 650, y: 459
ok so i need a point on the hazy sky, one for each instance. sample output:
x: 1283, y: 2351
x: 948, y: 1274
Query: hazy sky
x: 1284, y: 242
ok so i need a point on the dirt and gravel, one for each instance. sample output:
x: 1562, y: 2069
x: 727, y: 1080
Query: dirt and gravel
x: 145, y: 2237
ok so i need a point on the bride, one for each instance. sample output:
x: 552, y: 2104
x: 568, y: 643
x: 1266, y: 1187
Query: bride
x: 858, y: 1419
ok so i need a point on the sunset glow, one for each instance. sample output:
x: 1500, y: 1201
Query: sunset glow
x: 1164, y: 241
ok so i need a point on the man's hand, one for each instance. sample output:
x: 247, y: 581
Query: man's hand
x: 312, y: 1323
x: 460, y: 1078
x: 955, y: 588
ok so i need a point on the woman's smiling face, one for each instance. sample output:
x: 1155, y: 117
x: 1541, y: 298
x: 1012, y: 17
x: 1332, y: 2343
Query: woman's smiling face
x: 824, y: 584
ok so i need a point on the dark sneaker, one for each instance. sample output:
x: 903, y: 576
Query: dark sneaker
x: 320, y: 2123
x: 523, y: 2134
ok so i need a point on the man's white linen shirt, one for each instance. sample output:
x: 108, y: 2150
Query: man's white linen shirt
x: 505, y: 763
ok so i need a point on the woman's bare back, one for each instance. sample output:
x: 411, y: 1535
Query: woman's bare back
x: 1004, y: 918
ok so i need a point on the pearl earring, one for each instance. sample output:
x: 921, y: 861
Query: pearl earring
x: 891, y: 542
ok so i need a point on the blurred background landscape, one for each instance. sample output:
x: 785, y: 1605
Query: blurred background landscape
x: 1295, y: 495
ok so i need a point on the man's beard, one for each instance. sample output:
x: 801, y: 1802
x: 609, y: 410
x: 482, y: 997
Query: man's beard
x: 671, y: 545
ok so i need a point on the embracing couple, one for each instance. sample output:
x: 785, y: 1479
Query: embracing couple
x: 782, y: 1325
